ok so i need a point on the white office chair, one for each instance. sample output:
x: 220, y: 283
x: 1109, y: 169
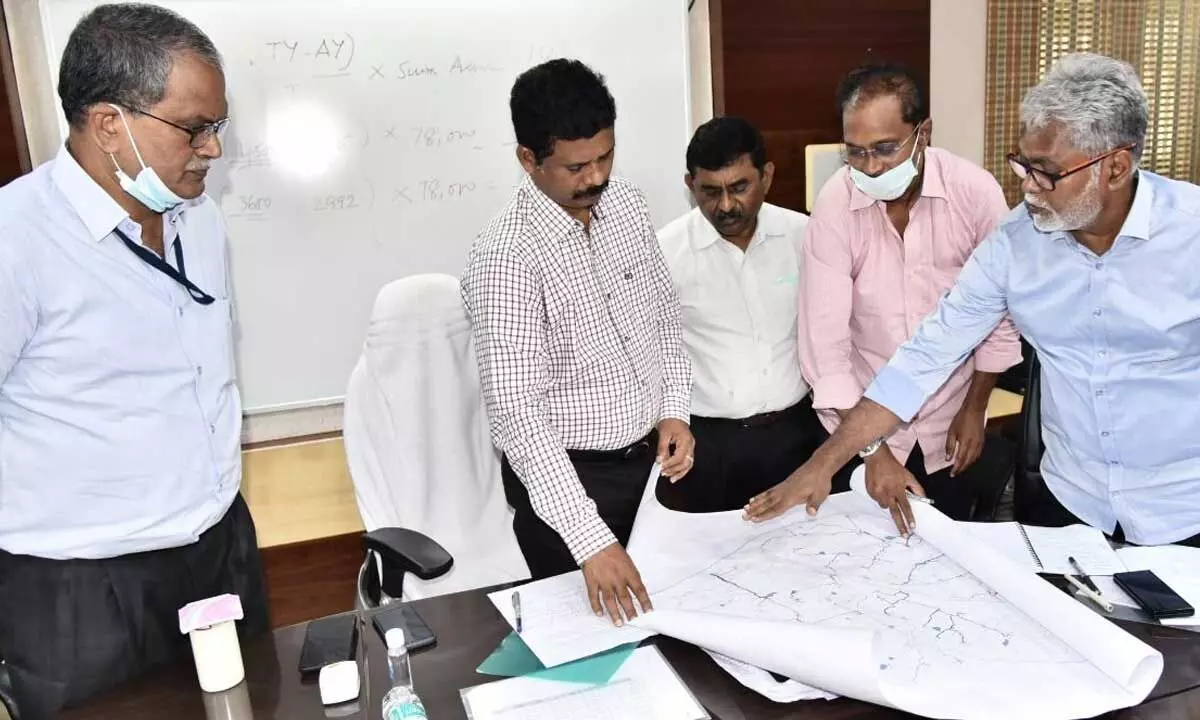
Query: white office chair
x: 820, y: 164
x: 419, y: 450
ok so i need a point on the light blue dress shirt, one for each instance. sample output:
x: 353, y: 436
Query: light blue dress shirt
x: 1118, y: 337
x: 119, y: 418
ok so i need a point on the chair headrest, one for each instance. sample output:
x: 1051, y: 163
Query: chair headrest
x: 419, y: 305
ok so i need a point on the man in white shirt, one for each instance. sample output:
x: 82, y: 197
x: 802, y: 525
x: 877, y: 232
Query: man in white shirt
x: 119, y: 417
x: 735, y: 263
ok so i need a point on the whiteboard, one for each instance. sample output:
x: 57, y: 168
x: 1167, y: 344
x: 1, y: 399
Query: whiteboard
x: 372, y: 140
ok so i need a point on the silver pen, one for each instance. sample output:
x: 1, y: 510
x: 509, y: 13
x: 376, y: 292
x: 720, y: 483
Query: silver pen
x: 516, y: 601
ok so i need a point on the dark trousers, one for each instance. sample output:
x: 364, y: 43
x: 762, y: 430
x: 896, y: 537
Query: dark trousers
x: 72, y: 628
x: 614, y: 480
x: 956, y: 496
x: 1049, y: 512
x: 738, y: 459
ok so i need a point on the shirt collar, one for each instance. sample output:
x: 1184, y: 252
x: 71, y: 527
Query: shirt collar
x: 557, y: 220
x: 100, y: 213
x: 704, y: 235
x: 932, y: 184
x: 1137, y: 221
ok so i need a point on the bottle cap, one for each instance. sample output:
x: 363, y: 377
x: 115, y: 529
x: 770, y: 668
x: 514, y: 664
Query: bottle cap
x: 394, y: 638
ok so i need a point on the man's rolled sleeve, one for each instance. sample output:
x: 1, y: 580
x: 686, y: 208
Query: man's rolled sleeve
x: 825, y: 307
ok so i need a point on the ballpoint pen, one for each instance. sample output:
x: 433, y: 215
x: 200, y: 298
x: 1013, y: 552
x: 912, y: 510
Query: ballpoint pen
x: 1083, y: 576
x: 1094, y: 597
x: 516, y: 600
x: 919, y: 498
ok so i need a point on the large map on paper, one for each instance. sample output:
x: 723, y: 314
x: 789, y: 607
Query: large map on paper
x: 935, y: 624
x: 849, y: 569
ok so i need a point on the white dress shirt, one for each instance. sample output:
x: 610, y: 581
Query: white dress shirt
x: 577, y: 335
x: 119, y: 417
x: 739, y: 311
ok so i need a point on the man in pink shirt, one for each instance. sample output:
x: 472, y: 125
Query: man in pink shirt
x: 888, y: 236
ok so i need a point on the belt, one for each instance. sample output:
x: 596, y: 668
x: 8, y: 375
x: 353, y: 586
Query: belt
x: 642, y: 448
x: 761, y: 419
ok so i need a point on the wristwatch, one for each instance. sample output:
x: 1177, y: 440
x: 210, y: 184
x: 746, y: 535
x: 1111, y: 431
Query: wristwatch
x: 871, y: 449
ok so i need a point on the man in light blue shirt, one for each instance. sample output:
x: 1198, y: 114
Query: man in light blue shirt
x: 1098, y: 271
x: 119, y: 417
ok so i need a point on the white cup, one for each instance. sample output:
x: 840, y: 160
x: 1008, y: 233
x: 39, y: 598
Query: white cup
x: 218, y: 656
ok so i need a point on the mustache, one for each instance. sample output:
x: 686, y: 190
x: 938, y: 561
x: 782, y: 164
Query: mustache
x: 594, y: 191
x: 724, y: 217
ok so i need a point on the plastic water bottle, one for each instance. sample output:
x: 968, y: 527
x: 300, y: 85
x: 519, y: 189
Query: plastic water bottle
x: 401, y: 702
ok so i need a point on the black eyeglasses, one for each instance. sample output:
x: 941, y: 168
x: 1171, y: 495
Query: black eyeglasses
x: 1048, y: 180
x: 198, y: 136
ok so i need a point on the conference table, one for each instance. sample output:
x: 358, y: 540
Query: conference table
x: 469, y: 629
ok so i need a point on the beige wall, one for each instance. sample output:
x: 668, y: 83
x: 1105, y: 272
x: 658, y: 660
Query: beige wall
x: 957, y: 61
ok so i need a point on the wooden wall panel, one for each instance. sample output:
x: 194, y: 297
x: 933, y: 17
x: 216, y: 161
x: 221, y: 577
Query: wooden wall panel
x: 780, y: 62
x: 14, y: 156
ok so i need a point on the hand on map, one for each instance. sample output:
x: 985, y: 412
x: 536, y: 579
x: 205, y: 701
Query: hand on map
x: 804, y: 486
x: 675, y: 448
x: 612, y: 583
x: 888, y: 483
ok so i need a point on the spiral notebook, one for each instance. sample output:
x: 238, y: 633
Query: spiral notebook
x: 1046, y: 550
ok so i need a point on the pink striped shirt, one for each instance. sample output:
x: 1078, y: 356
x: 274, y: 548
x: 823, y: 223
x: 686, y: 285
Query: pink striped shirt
x: 864, y: 291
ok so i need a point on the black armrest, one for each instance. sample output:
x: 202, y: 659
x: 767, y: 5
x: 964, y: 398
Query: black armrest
x: 406, y: 551
x: 7, y: 700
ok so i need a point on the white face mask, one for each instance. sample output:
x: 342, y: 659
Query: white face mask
x: 892, y: 184
x: 148, y: 188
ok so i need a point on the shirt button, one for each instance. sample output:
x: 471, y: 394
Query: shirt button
x: 180, y: 312
x: 1099, y: 265
x: 1097, y: 312
x: 200, y: 370
x: 1101, y: 354
x: 212, y: 429
x: 1104, y: 434
x: 628, y: 276
x: 1114, y: 463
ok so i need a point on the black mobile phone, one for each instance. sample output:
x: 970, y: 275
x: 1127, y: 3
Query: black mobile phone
x: 1153, y: 595
x: 416, y: 633
x: 328, y: 640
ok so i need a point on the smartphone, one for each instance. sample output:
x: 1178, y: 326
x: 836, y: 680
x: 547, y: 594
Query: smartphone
x: 1153, y: 595
x: 416, y: 633
x: 328, y: 640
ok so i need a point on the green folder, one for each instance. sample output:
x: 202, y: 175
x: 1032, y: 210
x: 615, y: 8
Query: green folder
x: 513, y: 657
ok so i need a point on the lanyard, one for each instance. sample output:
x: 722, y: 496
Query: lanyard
x: 153, y: 260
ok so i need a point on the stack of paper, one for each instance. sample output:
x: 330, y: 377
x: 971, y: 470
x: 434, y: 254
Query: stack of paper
x: 645, y: 688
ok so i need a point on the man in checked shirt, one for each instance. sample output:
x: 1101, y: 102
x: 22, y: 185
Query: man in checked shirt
x: 577, y: 333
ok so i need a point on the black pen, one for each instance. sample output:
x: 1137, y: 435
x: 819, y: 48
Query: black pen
x: 1083, y: 576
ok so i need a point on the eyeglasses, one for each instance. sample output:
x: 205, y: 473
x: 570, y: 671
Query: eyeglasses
x: 1048, y: 180
x: 198, y: 136
x: 883, y: 150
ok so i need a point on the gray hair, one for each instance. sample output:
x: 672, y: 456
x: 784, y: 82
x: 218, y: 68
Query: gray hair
x: 1098, y: 100
x: 122, y: 54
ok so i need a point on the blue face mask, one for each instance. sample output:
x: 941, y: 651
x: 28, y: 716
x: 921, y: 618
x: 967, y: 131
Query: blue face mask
x: 148, y: 188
